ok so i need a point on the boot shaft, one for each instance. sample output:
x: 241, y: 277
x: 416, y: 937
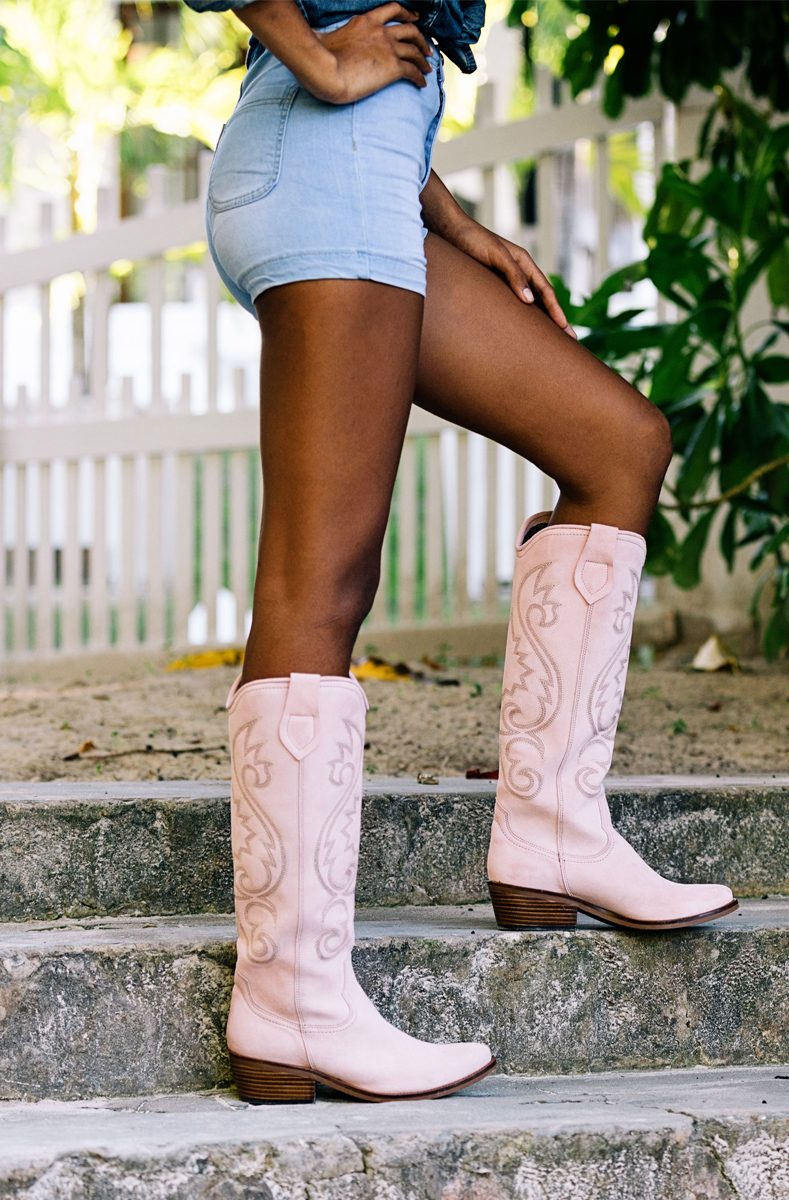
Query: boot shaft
x: 574, y: 595
x: 297, y: 752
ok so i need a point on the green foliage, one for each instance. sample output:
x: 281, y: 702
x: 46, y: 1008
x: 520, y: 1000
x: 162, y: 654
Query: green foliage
x: 710, y: 239
x: 679, y: 43
x: 72, y: 71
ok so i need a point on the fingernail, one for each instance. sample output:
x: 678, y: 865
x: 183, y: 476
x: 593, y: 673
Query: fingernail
x: 528, y: 295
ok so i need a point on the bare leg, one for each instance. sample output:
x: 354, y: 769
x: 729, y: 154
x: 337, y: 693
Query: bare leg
x: 503, y: 369
x: 337, y: 380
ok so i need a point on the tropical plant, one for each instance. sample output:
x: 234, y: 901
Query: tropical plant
x: 714, y: 232
x: 677, y: 42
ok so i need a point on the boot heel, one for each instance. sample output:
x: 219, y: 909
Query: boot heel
x: 521, y: 908
x: 269, y: 1083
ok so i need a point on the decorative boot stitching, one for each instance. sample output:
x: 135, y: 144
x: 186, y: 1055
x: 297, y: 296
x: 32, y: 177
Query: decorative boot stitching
x: 603, y: 708
x: 336, y: 852
x: 566, y: 755
x: 518, y: 733
x: 260, y: 852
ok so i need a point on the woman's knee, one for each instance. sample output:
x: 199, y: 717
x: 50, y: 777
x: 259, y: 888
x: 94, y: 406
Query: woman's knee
x: 651, y: 443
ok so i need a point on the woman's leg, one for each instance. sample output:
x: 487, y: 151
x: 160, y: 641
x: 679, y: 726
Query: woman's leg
x: 337, y: 380
x: 502, y: 368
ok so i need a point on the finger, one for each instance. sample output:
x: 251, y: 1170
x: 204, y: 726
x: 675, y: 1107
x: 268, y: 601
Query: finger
x: 544, y: 290
x: 412, y: 73
x: 410, y: 33
x: 413, y: 54
x: 392, y: 12
x: 503, y: 261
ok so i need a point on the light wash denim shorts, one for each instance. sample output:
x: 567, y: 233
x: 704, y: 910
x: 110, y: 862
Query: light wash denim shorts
x: 302, y: 189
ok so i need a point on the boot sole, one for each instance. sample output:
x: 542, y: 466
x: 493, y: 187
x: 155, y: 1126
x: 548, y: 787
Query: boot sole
x: 260, y: 1082
x: 530, y: 908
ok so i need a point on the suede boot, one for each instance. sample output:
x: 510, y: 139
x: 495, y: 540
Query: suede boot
x: 298, y: 1015
x: 553, y: 849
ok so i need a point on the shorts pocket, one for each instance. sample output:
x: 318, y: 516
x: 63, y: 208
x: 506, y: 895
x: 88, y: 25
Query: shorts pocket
x: 247, y: 160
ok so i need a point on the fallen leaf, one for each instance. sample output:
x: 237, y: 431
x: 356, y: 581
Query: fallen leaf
x: 373, y: 667
x: 85, y: 747
x: 208, y: 658
x: 714, y: 656
x: 425, y: 777
x: 479, y: 773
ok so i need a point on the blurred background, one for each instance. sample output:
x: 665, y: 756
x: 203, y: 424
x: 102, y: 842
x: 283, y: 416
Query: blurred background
x: 637, y: 148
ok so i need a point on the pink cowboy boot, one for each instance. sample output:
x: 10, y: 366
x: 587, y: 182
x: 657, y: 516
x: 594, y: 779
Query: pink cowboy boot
x: 298, y: 1015
x: 553, y: 850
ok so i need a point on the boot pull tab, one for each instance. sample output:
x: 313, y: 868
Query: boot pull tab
x: 594, y: 574
x: 299, y: 729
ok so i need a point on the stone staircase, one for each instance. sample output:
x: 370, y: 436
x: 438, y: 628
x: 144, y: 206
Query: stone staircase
x: 116, y: 959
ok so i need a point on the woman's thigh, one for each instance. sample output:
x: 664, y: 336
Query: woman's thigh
x: 502, y: 368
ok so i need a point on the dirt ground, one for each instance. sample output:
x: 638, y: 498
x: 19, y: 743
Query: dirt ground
x: 147, y: 723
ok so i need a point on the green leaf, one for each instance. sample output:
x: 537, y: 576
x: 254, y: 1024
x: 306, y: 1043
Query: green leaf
x: 677, y: 261
x: 696, y: 465
x: 776, y: 635
x: 760, y: 261
x: 661, y: 546
x: 728, y: 538
x: 687, y: 571
x: 771, y: 545
x: 774, y: 368
x: 619, y: 343
x: 713, y: 313
x: 722, y: 198
x: 778, y: 278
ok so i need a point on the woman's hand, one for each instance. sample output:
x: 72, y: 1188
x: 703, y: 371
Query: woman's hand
x: 443, y: 215
x: 366, y: 54
x: 370, y: 53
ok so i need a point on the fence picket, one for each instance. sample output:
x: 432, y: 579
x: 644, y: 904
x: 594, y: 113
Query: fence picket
x: 406, y: 533
x: 19, y: 565
x: 183, y: 525
x: 127, y: 592
x: 99, y: 612
x: 72, y: 590
x: 240, y: 536
x: 43, y: 585
x: 461, y: 549
x: 434, y: 532
x: 211, y: 545
x: 154, y: 575
x: 491, y: 589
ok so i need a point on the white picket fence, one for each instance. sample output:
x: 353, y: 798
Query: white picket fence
x: 128, y: 526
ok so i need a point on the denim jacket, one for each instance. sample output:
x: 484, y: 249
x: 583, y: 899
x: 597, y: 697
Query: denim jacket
x: 454, y: 24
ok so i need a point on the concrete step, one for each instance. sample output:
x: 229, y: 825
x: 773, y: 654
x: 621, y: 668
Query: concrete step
x: 77, y: 849
x: 137, y: 1006
x: 669, y: 1135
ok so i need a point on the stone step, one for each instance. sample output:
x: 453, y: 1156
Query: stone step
x: 706, y: 1134
x: 83, y: 849
x: 130, y: 1006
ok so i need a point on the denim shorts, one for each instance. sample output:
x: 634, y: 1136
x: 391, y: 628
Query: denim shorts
x: 302, y: 189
